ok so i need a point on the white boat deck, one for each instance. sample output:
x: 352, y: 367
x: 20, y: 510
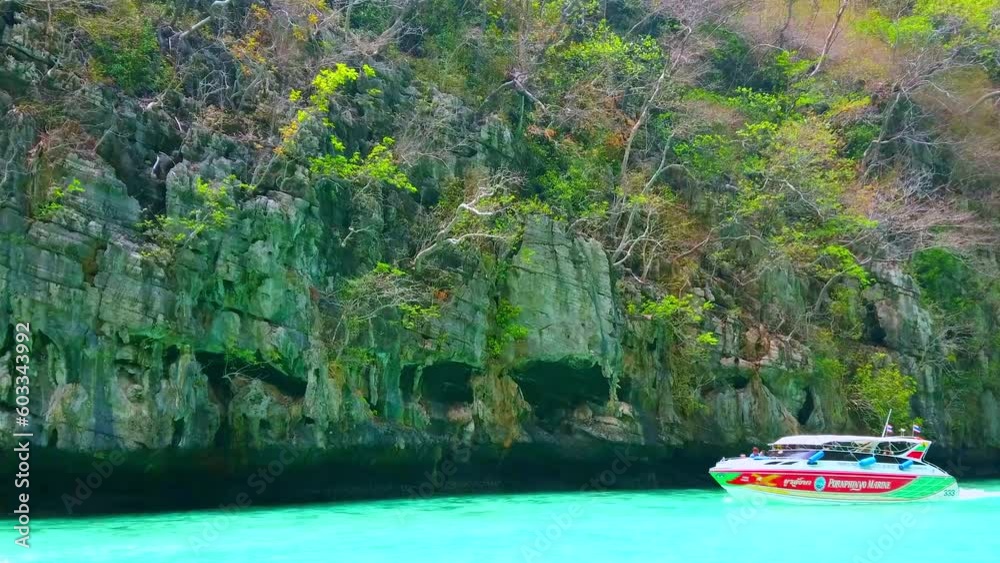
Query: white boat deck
x: 778, y: 465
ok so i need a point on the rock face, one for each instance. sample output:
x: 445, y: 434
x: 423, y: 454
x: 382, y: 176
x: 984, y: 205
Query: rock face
x: 224, y: 350
x: 562, y: 288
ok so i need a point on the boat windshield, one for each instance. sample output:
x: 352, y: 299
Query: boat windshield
x: 874, y: 447
x: 791, y: 454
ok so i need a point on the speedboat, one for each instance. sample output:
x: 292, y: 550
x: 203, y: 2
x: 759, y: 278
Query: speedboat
x: 838, y: 469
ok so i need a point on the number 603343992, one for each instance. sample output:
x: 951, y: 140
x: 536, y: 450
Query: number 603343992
x: 22, y: 360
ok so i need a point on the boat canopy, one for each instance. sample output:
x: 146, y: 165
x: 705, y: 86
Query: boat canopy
x: 822, y: 439
x: 911, y: 447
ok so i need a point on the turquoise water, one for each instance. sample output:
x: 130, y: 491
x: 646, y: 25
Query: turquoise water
x: 688, y: 525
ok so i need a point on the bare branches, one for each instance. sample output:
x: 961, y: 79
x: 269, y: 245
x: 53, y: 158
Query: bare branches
x: 434, y: 130
x: 518, y: 79
x: 486, y: 202
x: 912, y: 217
x: 359, y: 301
x: 983, y: 98
x: 217, y: 7
x: 834, y: 29
x: 789, y: 4
x: 642, y: 116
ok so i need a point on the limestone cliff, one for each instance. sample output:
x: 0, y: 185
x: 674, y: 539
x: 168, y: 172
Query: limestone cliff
x: 212, y: 355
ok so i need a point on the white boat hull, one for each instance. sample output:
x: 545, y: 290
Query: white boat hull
x: 833, y: 482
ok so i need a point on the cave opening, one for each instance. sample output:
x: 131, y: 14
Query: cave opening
x: 873, y: 331
x: 444, y: 382
x: 178, y: 435
x: 170, y: 357
x: 220, y: 367
x: 806, y: 410
x: 406, y: 378
x: 552, y: 387
x: 740, y: 379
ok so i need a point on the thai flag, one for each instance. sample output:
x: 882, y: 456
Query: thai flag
x: 888, y: 429
x: 917, y: 429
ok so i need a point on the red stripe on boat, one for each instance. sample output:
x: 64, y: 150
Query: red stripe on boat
x: 833, y: 482
x: 816, y: 472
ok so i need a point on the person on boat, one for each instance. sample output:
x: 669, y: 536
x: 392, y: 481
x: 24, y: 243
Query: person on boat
x: 755, y: 453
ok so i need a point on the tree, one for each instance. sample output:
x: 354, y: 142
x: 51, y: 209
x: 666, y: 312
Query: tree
x: 831, y: 36
x: 208, y: 208
x: 479, y: 216
x: 359, y: 301
x: 879, y: 387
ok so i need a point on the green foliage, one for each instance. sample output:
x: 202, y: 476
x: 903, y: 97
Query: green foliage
x: 906, y: 31
x: 842, y: 261
x: 415, y: 314
x: 735, y: 64
x: 210, y: 210
x: 857, y: 138
x: 603, y: 48
x: 574, y: 182
x: 236, y: 355
x: 377, y: 166
x: 685, y: 393
x: 54, y: 202
x: 759, y: 106
x: 944, y: 279
x: 786, y: 64
x: 708, y: 339
x: 688, y: 349
x: 379, y: 294
x: 356, y: 357
x: 384, y: 269
x: 793, y: 192
x: 846, y: 312
x: 372, y: 17
x: 674, y: 310
x: 125, y: 49
x: 879, y: 386
x: 934, y: 21
x: 709, y: 157
x: 682, y: 317
x: 979, y: 14
x: 328, y: 82
x: 756, y: 105
x: 505, y: 329
x: 830, y: 370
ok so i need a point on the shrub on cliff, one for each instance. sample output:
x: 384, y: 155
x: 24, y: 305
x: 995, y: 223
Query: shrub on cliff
x: 880, y: 387
x: 126, y: 51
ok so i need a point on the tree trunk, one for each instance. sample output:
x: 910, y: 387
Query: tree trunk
x: 831, y: 36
